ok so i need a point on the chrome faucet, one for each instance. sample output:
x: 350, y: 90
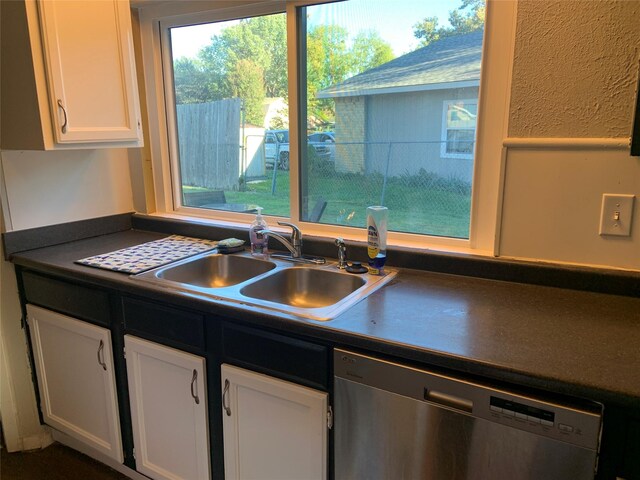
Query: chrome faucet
x: 342, y: 253
x: 294, y: 246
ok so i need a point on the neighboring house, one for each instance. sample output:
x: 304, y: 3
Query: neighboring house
x: 416, y: 111
x: 276, y: 113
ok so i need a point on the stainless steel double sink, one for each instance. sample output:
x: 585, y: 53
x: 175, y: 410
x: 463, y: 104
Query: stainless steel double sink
x: 318, y: 292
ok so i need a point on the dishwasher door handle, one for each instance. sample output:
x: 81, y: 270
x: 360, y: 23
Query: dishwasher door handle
x: 447, y: 400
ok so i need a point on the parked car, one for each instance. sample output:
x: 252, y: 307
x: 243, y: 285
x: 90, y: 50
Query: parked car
x: 276, y: 145
x: 325, y: 145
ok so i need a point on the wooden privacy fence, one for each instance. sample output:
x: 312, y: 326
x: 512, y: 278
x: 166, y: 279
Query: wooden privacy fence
x: 209, y: 143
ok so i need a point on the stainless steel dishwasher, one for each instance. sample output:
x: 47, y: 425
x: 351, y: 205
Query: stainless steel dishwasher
x: 397, y: 422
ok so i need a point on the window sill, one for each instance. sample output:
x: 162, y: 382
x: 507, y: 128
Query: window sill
x: 427, y: 258
x: 328, y: 233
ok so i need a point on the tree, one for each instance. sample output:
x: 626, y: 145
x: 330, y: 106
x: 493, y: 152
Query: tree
x: 369, y: 50
x: 190, y: 81
x: 246, y: 80
x: 249, y: 60
x: 328, y: 63
x: 427, y: 30
x: 330, y: 60
x: 262, y: 40
x: 465, y: 19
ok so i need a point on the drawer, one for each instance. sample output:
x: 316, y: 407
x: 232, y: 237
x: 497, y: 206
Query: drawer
x: 78, y: 301
x: 282, y: 356
x: 159, y: 322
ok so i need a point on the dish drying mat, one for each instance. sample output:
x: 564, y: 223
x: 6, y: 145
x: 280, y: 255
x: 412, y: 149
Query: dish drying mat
x: 146, y: 256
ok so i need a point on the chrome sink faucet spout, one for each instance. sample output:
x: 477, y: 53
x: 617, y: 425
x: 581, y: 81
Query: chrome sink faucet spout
x: 342, y: 253
x: 294, y: 246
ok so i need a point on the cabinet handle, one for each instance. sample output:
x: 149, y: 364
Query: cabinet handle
x: 64, y: 111
x: 100, y: 356
x: 193, y: 383
x: 224, y: 398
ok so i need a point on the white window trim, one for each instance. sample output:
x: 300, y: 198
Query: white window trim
x: 495, y: 87
x: 445, y: 129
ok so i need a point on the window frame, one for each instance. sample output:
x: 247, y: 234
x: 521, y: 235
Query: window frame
x: 498, y: 52
x: 444, y: 153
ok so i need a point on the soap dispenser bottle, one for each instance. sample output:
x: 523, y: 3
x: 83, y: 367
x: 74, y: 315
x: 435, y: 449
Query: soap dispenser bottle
x: 259, y: 242
x: 377, y: 217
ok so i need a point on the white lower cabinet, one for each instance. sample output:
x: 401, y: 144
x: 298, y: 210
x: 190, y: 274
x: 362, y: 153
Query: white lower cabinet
x: 74, y: 367
x: 168, y: 398
x: 273, y: 429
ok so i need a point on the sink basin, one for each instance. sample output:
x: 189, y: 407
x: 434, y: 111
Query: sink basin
x: 304, y: 287
x: 317, y: 292
x: 215, y: 271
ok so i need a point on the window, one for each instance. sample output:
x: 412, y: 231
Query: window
x: 226, y: 95
x: 361, y: 122
x: 459, y: 128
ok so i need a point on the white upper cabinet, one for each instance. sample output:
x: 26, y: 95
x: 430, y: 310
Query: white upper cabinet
x: 78, y: 87
x: 90, y: 66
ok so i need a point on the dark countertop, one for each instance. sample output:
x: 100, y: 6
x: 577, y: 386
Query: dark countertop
x: 560, y: 340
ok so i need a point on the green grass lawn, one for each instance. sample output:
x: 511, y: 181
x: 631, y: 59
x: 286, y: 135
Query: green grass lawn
x: 442, y: 209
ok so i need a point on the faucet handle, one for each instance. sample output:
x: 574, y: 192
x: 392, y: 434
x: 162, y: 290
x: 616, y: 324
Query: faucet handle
x: 296, y: 234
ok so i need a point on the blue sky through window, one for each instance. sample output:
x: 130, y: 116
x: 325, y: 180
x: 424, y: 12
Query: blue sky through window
x: 393, y: 19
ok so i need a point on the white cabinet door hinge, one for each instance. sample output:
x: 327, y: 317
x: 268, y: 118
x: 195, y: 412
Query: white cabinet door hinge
x: 134, y: 453
x: 329, y: 417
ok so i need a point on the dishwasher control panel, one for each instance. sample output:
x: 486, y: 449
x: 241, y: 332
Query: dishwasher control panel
x: 522, y: 411
x: 533, y: 414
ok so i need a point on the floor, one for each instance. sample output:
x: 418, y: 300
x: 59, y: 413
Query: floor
x: 55, y: 462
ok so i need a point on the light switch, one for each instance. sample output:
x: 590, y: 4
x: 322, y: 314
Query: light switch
x: 616, y: 214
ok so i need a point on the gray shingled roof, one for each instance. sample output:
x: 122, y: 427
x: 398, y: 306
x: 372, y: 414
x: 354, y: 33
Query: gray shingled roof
x: 450, y: 60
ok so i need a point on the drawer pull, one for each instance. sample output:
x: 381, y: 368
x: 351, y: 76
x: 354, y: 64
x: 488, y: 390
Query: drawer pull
x: 101, y: 356
x: 224, y: 398
x: 193, y: 384
x: 64, y: 112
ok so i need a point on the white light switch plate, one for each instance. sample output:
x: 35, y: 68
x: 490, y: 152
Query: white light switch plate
x: 616, y: 214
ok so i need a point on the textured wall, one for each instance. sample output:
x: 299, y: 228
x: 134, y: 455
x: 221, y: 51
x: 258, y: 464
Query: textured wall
x: 575, y: 68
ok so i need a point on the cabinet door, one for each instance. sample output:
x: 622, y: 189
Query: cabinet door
x: 168, y: 411
x: 74, y: 366
x: 273, y: 430
x: 89, y: 59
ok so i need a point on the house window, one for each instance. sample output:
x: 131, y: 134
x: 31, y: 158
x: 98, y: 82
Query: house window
x: 459, y: 120
x: 377, y: 91
x: 225, y: 96
x: 315, y: 111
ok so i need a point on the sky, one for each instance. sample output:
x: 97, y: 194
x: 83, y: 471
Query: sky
x: 393, y: 19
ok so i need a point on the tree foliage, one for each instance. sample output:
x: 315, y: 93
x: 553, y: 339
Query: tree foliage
x: 192, y: 85
x: 465, y: 19
x: 246, y: 81
x: 249, y: 60
x: 370, y: 50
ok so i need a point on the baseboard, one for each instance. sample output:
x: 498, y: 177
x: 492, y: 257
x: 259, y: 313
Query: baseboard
x: 36, y: 442
x: 90, y: 452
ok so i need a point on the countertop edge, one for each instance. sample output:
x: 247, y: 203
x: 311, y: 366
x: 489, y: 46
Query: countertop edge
x: 420, y: 355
